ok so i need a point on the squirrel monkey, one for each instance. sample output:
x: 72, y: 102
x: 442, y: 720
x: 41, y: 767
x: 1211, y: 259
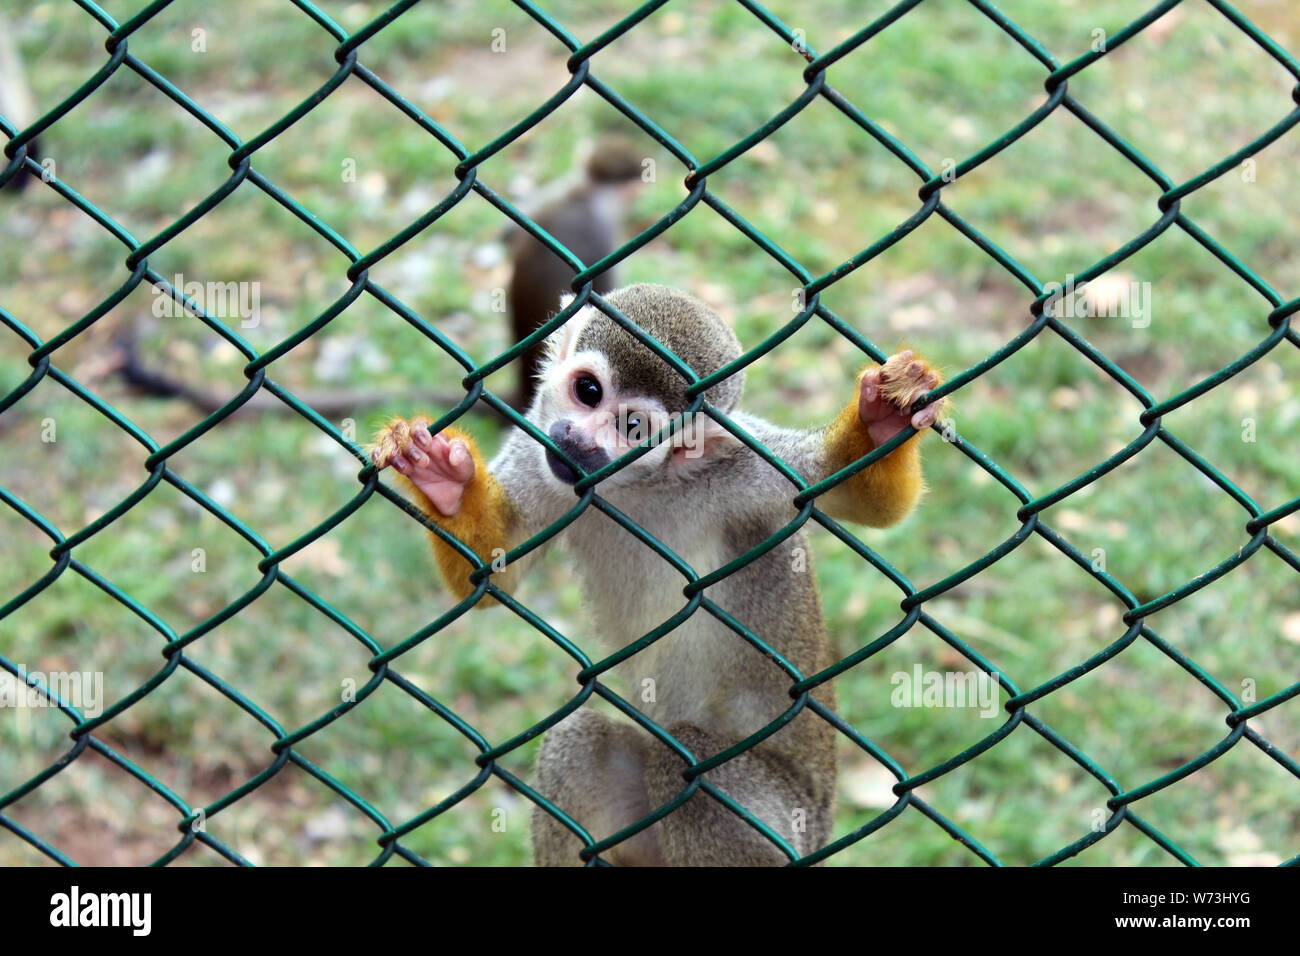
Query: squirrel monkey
x: 587, y: 219
x: 709, y: 498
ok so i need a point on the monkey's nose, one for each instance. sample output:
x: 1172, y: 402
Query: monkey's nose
x: 579, y: 446
x: 568, y: 436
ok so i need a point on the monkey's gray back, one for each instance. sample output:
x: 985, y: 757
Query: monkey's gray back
x: 541, y: 276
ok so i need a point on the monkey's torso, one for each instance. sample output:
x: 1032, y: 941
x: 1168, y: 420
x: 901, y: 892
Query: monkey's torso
x: 703, y: 672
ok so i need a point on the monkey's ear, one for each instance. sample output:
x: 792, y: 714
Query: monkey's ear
x: 559, y: 344
x: 565, y: 299
x: 701, y: 441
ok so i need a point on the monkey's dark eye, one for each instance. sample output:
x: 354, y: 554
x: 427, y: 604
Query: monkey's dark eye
x: 587, y: 390
x: 633, y: 429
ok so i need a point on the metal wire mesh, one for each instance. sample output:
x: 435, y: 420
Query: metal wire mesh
x: 1274, y: 322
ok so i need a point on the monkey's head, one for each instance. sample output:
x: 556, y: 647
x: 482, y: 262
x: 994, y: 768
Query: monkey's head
x: 602, y: 392
x: 615, y: 159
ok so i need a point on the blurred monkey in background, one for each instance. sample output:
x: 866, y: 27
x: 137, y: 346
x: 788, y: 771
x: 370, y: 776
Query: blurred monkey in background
x: 587, y: 218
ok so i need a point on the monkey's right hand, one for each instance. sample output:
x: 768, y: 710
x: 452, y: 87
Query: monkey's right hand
x: 886, y: 395
x: 439, y: 465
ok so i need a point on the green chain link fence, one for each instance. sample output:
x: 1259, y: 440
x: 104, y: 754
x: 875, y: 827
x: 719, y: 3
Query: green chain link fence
x: 1273, y: 320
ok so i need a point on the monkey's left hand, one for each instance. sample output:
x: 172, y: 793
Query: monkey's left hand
x: 439, y: 465
x: 886, y: 394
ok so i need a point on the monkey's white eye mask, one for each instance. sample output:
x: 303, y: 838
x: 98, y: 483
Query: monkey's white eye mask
x: 582, y: 409
x: 583, y: 413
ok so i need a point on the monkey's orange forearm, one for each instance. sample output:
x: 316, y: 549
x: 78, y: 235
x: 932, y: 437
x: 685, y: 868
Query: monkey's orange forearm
x: 483, y: 521
x: 880, y: 495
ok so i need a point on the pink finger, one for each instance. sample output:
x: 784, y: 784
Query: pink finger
x: 925, y: 417
x: 459, y: 459
x: 870, y: 386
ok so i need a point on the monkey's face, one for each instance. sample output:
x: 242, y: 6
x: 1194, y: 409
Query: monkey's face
x: 582, y: 410
x: 602, y: 394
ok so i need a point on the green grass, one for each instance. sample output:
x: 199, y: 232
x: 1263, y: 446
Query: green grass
x: 943, y: 80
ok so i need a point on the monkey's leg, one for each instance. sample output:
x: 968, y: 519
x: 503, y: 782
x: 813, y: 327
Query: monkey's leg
x: 704, y: 832
x: 593, y: 769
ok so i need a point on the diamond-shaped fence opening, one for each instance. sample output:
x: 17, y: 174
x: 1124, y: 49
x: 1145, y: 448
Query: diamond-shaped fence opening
x: 814, y: 69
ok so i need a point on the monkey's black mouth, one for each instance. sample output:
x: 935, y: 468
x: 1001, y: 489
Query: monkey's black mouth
x: 560, y: 470
x: 589, y: 456
x: 589, y: 460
